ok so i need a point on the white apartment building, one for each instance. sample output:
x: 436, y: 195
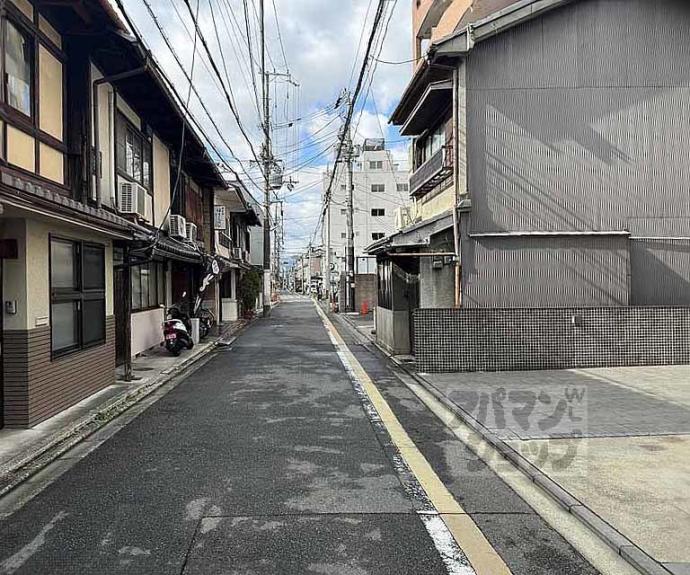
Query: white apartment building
x: 380, y: 188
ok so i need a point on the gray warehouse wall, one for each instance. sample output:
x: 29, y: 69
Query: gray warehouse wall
x: 546, y: 272
x: 576, y: 124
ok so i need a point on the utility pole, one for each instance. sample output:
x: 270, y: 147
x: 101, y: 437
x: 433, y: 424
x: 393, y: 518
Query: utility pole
x: 309, y: 263
x: 267, y: 157
x: 350, y: 254
x: 327, y: 271
x: 276, y: 241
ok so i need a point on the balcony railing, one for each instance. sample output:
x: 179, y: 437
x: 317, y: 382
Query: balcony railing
x: 432, y: 172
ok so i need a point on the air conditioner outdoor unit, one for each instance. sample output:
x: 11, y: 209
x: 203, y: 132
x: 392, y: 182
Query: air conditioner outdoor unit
x: 191, y: 232
x: 178, y: 227
x: 131, y: 198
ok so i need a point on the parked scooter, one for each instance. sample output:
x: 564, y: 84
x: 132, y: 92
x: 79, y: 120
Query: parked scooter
x: 177, y: 330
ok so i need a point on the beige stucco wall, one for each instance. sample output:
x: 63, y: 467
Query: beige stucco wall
x: 14, y: 273
x: 27, y: 278
x: 106, y: 134
x: 37, y: 271
x: 450, y: 19
x: 50, y: 102
x: 436, y: 205
x: 161, y: 181
x: 52, y: 163
x: 21, y: 149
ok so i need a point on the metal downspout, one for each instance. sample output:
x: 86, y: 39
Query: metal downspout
x: 456, y: 187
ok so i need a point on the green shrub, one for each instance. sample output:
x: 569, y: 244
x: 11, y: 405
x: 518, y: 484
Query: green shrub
x: 249, y: 289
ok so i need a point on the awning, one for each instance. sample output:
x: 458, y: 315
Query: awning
x: 412, y: 237
x: 173, y: 249
x: 435, y: 99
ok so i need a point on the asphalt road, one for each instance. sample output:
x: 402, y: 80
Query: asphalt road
x: 263, y: 462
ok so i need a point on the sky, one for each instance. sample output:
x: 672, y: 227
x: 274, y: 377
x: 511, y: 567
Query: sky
x: 323, y: 43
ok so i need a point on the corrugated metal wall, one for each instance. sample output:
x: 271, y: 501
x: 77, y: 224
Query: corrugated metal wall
x: 659, y: 272
x: 546, y: 272
x: 579, y: 120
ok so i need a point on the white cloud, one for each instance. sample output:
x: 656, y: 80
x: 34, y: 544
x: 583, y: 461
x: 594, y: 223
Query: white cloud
x: 321, y: 38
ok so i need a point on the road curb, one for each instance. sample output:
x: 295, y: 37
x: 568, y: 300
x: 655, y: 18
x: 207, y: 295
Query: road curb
x: 19, y: 470
x: 633, y: 554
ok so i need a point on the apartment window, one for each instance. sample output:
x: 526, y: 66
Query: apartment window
x: 377, y: 236
x: 18, y: 65
x: 378, y: 188
x: 343, y: 236
x: 376, y: 165
x: 148, y: 286
x: 403, y: 187
x: 378, y: 212
x: 134, y: 157
x: 343, y: 212
x: 343, y: 187
x: 33, y: 138
x: 432, y: 143
x: 77, y: 295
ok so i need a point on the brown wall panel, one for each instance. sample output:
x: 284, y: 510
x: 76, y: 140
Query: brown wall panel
x: 38, y: 387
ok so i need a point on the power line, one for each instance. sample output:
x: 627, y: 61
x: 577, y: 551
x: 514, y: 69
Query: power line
x: 190, y: 81
x: 280, y: 37
x: 226, y: 13
x: 348, y: 120
x: 178, y: 176
x: 251, y: 53
x: 225, y: 91
x: 397, y: 63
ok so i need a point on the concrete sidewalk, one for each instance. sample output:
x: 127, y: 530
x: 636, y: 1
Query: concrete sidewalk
x: 20, y: 448
x: 617, y: 440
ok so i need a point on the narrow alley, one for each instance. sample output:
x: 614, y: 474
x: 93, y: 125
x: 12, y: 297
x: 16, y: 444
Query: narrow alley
x: 267, y: 459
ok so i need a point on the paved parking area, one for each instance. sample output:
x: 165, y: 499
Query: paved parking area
x: 615, y: 404
x: 617, y: 439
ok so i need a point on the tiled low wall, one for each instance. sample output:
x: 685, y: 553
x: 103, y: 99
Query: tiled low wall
x: 524, y: 339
